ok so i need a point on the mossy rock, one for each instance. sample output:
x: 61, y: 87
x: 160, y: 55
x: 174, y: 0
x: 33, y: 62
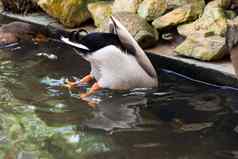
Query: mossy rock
x: 180, y: 15
x: 152, y: 9
x: 173, y: 4
x: 216, y: 33
x: 126, y: 6
x: 138, y: 27
x: 100, y: 11
x: 203, y: 48
x: 212, y: 20
x: 232, y: 33
x: 70, y: 13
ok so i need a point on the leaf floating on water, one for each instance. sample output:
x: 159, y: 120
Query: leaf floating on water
x: 196, y: 126
x: 147, y: 145
x: 162, y: 93
x: 227, y: 154
x: 126, y: 130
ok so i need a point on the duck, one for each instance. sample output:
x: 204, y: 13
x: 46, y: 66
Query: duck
x: 116, y: 59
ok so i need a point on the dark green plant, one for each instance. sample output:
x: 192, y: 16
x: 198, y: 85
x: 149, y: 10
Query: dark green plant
x: 20, y: 6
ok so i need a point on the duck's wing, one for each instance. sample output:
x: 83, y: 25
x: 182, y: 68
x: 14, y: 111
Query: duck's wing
x: 130, y: 44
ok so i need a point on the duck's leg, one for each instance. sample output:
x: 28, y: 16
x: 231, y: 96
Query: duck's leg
x: 70, y: 84
x: 86, y: 79
x: 95, y: 87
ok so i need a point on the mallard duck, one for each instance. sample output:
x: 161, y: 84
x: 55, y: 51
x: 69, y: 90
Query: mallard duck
x: 117, y: 61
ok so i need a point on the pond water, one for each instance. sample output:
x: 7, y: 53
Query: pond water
x: 42, y: 119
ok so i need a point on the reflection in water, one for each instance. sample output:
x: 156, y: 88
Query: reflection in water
x: 41, y: 118
x: 116, y: 112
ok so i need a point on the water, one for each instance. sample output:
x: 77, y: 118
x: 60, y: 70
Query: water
x: 40, y: 118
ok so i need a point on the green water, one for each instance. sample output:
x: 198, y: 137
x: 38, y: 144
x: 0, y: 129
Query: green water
x: 41, y: 119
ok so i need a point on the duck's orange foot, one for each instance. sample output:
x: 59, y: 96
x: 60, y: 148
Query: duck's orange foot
x: 95, y: 87
x: 70, y: 84
x: 88, y: 78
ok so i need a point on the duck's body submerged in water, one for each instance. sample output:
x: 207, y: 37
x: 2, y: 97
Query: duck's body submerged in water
x: 117, y: 61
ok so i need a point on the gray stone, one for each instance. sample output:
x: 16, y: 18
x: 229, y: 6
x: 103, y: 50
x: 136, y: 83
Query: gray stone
x: 212, y: 20
x: 139, y: 28
x: 126, y: 6
x: 211, y: 36
x: 100, y: 11
x: 232, y: 33
x: 180, y: 15
x: 203, y: 48
x: 152, y: 9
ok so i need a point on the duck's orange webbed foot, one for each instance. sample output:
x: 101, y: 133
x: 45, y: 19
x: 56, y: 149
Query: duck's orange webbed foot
x: 70, y: 84
x: 86, y: 79
x: 95, y: 87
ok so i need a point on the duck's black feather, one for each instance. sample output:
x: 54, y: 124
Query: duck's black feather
x: 97, y: 40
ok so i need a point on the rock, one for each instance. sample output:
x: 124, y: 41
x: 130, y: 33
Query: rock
x: 167, y: 36
x: 232, y: 40
x: 180, y: 15
x: 221, y: 3
x: 213, y: 29
x: 204, y: 48
x: 234, y: 60
x: 126, y: 6
x: 152, y: 9
x: 71, y: 13
x: 213, y: 20
x: 232, y: 33
x: 234, y: 5
x: 173, y: 4
x: 139, y: 28
x: 14, y: 31
x: 100, y: 11
x: 230, y: 14
x: 27, y: 155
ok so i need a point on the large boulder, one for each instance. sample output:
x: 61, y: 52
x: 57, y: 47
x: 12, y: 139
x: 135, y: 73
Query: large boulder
x: 126, y: 6
x: 180, y: 15
x: 213, y: 20
x: 139, y: 28
x: 71, y: 13
x: 173, y: 4
x: 203, y: 48
x: 152, y: 9
x: 100, y: 11
x: 211, y: 36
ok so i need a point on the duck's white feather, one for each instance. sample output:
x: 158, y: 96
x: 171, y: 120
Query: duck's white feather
x: 77, y: 45
x: 116, y: 70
